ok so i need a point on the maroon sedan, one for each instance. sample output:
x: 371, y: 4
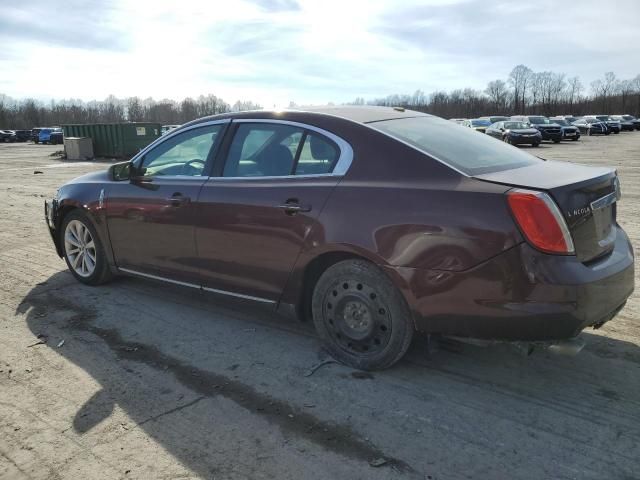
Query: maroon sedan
x: 373, y: 222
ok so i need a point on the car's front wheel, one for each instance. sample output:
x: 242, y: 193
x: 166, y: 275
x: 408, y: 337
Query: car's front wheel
x: 361, y: 316
x: 83, y: 250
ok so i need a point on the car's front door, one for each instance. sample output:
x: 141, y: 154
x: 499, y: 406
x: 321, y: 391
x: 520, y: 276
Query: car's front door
x: 255, y: 216
x: 151, y: 218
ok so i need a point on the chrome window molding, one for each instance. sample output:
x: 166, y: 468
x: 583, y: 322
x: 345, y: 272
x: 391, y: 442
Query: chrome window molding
x: 198, y: 287
x: 342, y: 165
x: 173, y: 133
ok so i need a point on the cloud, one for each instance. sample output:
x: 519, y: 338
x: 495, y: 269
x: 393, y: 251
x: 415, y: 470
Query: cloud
x: 277, y: 5
x: 76, y: 25
x: 274, y: 51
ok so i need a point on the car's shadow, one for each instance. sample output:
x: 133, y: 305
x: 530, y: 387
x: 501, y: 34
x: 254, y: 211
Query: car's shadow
x: 175, y: 361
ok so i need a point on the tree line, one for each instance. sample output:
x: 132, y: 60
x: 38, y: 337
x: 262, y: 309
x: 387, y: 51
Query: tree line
x: 523, y: 92
x: 29, y: 113
x: 526, y: 92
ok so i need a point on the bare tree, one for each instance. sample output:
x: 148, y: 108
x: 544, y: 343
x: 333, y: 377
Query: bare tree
x: 574, y: 88
x: 498, y: 94
x: 520, y: 79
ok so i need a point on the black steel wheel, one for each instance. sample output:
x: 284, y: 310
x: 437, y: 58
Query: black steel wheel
x: 361, y: 316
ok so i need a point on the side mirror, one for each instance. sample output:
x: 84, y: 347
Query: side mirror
x: 502, y: 129
x: 119, y: 172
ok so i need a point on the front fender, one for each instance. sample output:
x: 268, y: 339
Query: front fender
x: 88, y: 198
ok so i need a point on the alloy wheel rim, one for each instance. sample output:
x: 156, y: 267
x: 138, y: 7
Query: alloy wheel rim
x: 80, y: 248
x: 356, y: 318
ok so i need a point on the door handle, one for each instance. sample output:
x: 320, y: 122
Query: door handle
x: 178, y: 199
x: 293, y: 208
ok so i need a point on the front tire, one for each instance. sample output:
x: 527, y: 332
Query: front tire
x: 361, y: 316
x: 83, y: 250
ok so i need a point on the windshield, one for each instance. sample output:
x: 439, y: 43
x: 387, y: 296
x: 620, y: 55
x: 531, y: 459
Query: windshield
x: 561, y: 122
x: 497, y: 119
x: 603, y: 118
x: 461, y: 148
x: 515, y: 125
x: 480, y: 123
x: 538, y: 120
x: 628, y: 118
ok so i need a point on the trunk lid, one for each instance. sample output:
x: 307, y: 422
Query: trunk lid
x: 586, y: 196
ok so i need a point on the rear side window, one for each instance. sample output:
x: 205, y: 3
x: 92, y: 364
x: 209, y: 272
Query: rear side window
x: 466, y: 150
x: 318, y: 155
x: 276, y: 150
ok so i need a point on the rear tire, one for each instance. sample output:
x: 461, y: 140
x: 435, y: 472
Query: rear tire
x: 83, y: 250
x: 589, y: 133
x: 361, y: 316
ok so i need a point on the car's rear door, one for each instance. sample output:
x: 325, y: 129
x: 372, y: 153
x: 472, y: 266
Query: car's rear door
x: 254, y: 217
x: 151, y: 218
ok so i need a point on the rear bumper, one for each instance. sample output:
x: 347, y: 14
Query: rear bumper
x: 521, y: 295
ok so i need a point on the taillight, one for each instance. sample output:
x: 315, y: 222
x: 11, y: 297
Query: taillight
x: 540, y: 221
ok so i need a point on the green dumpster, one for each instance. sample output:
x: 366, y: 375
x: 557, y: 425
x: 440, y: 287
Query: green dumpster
x: 119, y: 140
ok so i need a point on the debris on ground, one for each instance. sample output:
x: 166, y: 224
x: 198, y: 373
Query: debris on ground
x: 313, y: 369
x: 378, y: 462
x: 39, y: 342
x: 61, y: 343
x: 35, y: 172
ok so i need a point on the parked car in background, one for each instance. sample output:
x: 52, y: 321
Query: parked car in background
x: 495, y: 118
x: 569, y: 131
x: 613, y: 125
x: 515, y: 133
x: 7, y: 136
x: 22, y: 135
x: 56, y: 137
x: 476, y: 124
x: 568, y: 118
x: 625, y: 123
x: 549, y: 130
x: 459, y: 121
x: 632, y: 119
x: 35, y: 134
x: 469, y: 236
x: 44, y: 136
x: 591, y: 126
x: 167, y: 128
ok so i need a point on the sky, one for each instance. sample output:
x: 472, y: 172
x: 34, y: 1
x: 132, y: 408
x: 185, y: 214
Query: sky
x: 306, y: 51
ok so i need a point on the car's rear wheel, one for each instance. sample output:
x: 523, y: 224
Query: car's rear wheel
x: 589, y: 132
x: 361, y: 316
x: 83, y: 250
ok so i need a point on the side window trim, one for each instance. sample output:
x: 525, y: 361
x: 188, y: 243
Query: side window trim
x: 213, y: 153
x: 341, y: 167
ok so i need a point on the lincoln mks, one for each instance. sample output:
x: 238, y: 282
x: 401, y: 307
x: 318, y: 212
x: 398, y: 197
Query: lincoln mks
x: 373, y: 223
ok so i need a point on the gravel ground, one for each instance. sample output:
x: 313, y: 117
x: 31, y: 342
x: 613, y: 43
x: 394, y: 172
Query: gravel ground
x: 140, y: 380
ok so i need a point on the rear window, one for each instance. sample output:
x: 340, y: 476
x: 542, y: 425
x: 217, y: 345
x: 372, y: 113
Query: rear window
x: 471, y: 152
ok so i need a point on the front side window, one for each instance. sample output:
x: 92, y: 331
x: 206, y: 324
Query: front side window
x: 462, y: 149
x: 277, y: 150
x: 184, y: 154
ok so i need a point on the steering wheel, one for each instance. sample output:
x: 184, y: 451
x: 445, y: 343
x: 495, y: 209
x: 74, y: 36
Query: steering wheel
x: 189, y: 169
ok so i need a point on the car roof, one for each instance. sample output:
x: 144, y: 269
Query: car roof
x: 364, y: 114
x: 359, y: 114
